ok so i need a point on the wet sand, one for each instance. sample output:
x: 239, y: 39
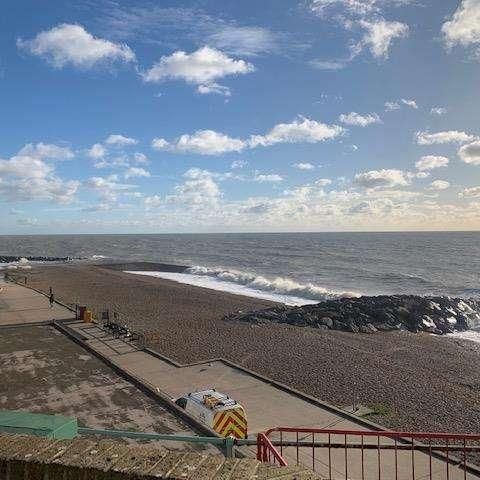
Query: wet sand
x: 412, y: 381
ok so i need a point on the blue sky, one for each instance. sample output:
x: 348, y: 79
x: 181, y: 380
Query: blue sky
x: 279, y: 115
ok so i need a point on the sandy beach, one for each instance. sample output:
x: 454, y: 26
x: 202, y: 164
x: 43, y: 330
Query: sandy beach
x: 412, y: 381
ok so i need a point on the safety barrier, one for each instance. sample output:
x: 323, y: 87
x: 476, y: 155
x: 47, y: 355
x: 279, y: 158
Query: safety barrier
x: 267, y: 453
x: 366, y: 455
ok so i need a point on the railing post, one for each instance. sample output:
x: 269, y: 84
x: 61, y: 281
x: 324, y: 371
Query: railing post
x: 229, y: 442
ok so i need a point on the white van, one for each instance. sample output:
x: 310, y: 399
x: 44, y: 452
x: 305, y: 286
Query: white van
x: 221, y: 413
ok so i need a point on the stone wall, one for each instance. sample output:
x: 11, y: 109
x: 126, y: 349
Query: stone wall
x: 36, y: 458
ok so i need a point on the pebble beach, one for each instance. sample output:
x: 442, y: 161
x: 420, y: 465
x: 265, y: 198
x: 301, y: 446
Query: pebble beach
x: 411, y: 381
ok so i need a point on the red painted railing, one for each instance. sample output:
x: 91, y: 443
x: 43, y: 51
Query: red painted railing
x: 267, y: 453
x: 365, y: 455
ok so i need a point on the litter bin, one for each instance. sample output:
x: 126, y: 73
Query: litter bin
x: 81, y: 312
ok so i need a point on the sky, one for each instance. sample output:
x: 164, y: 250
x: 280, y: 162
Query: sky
x: 226, y: 116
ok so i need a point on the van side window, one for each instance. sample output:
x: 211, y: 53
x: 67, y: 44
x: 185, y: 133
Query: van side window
x: 182, y: 402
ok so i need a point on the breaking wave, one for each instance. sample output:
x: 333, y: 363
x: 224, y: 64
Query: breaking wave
x: 278, y: 285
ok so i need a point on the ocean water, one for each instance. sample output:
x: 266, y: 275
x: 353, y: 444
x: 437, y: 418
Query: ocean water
x: 298, y: 267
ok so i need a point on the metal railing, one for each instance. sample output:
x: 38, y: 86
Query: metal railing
x: 366, y: 455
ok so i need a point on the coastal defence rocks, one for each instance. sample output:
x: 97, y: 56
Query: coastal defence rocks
x: 14, y: 258
x: 437, y: 315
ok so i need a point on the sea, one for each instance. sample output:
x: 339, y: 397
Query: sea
x: 294, y: 268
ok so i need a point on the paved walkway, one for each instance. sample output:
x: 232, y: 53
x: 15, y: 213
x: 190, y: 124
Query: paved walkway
x: 20, y: 305
x: 267, y: 406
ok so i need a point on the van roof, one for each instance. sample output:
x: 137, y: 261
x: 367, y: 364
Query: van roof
x: 211, y: 399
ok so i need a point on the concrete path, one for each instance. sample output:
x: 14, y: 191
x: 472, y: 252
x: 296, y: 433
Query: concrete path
x: 20, y: 305
x: 268, y: 406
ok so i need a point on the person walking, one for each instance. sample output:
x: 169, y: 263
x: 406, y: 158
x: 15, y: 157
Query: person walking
x: 51, y: 299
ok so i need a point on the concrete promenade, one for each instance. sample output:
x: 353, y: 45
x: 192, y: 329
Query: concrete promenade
x: 20, y: 305
x: 267, y: 405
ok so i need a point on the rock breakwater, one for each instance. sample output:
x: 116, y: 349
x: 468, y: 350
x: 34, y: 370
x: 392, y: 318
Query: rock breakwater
x: 15, y: 258
x: 438, y: 315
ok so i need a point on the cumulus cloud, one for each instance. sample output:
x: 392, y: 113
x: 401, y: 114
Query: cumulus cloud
x: 385, y: 178
x: 134, y: 172
x: 153, y: 201
x: 202, y: 68
x: 472, y: 192
x: 47, y: 150
x: 470, y: 153
x: 97, y: 151
x: 439, y: 185
x: 429, y: 162
x: 301, y: 130
x: 359, y: 120
x: 27, y: 176
x: 451, y: 136
x: 210, y: 142
x: 203, y: 142
x: 199, y: 189
x: 464, y: 26
x: 304, y: 166
x: 120, y: 140
x: 68, y: 44
x: 108, y: 188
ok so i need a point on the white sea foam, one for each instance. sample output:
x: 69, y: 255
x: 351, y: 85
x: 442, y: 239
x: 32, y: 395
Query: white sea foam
x: 279, y: 289
x: 472, y: 335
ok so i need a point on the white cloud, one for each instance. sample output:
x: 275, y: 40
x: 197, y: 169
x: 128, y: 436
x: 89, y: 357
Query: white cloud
x: 209, y: 142
x: 140, y: 158
x: 470, y: 153
x: 429, y: 162
x: 385, y: 178
x: 267, y: 178
x: 380, y: 34
x: 248, y: 41
x: 108, y: 188
x: 323, y: 182
x: 26, y: 176
x: 47, y: 150
x: 397, y: 104
x: 153, y: 201
x: 464, y: 27
x: 97, y: 151
x: 391, y: 106
x: 134, y: 172
x: 120, y: 140
x: 238, y: 164
x: 208, y: 88
x: 203, y: 142
x: 451, y: 136
x: 355, y: 7
x: 410, y: 103
x: 199, y: 190
x: 439, y: 185
x: 438, y: 111
x: 202, y: 67
x: 304, y: 166
x: 359, y: 120
x: 329, y: 65
x: 301, y: 130
x: 71, y: 44
x: 472, y: 192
